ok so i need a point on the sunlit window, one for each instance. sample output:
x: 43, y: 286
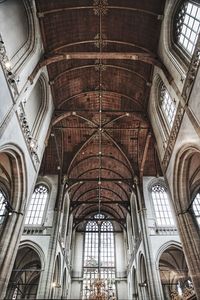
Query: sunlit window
x: 161, y: 206
x: 99, y: 258
x: 188, y: 26
x: 37, y: 206
x: 196, y: 207
x: 168, y: 105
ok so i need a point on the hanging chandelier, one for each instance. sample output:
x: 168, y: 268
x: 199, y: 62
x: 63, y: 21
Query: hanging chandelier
x: 101, y: 290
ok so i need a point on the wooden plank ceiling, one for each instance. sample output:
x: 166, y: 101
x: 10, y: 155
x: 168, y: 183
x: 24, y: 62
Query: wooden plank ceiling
x: 100, y: 56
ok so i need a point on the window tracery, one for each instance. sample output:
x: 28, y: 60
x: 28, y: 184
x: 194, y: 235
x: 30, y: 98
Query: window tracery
x: 187, y: 26
x: 99, y: 258
x: 162, y: 207
x: 168, y: 105
x: 37, y: 206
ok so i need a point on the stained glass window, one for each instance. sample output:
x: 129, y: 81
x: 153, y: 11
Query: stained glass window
x: 161, y: 206
x: 37, y: 206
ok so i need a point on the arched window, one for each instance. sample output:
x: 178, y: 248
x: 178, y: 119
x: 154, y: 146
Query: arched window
x: 168, y: 105
x: 37, y: 206
x: 99, y: 254
x: 161, y: 204
x: 196, y: 207
x: 187, y: 25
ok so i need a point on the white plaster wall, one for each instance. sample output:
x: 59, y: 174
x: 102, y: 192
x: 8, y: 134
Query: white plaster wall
x: 13, y: 25
x: 5, y: 97
x: 77, y: 265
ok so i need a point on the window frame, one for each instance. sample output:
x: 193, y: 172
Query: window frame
x: 181, y: 53
x: 163, y: 113
x: 193, y: 197
x: 95, y: 219
x: 163, y: 185
x: 45, y: 208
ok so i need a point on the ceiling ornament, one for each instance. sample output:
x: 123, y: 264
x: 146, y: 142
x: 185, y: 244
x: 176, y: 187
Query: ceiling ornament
x: 100, y: 7
x: 100, y: 40
x: 99, y: 66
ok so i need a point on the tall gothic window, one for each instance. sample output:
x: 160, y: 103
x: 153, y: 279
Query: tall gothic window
x: 37, y: 206
x: 99, y: 256
x: 161, y: 204
x: 196, y: 207
x: 187, y: 25
x: 168, y: 105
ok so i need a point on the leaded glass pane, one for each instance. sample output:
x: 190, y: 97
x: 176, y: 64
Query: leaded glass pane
x: 99, y: 258
x: 37, y: 205
x: 187, y: 26
x: 161, y: 206
x: 196, y: 207
x: 168, y: 106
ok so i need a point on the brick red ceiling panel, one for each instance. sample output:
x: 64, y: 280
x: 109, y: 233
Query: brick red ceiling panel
x: 101, y: 136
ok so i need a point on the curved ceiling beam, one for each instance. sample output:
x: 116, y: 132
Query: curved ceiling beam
x: 115, y: 119
x: 94, y: 169
x: 72, y: 114
x: 96, y: 210
x: 81, y: 203
x: 55, y: 50
x: 120, y: 149
x: 56, y: 56
x: 103, y: 156
x: 80, y: 149
x: 92, y: 199
x: 97, y: 189
x: 45, y: 13
x: 94, y: 187
x: 92, y: 66
x: 134, y: 100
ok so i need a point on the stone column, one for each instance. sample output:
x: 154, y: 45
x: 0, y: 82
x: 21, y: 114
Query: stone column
x: 9, y: 243
x: 190, y: 237
x: 153, y: 287
x: 46, y: 286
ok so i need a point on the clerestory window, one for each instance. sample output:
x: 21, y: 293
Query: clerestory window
x: 187, y: 25
x: 36, y: 209
x: 168, y: 106
x: 162, y: 207
x: 99, y: 255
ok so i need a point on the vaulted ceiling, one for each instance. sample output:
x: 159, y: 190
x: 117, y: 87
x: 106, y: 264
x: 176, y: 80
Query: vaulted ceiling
x: 100, y: 56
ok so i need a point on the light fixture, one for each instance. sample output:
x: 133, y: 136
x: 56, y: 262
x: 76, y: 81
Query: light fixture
x: 56, y: 285
x: 8, y: 65
x: 143, y: 284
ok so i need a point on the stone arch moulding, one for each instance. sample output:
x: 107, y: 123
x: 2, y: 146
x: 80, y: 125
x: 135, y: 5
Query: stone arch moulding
x: 181, y: 189
x: 19, y: 185
x: 164, y: 247
x: 42, y: 84
x: 34, y: 246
